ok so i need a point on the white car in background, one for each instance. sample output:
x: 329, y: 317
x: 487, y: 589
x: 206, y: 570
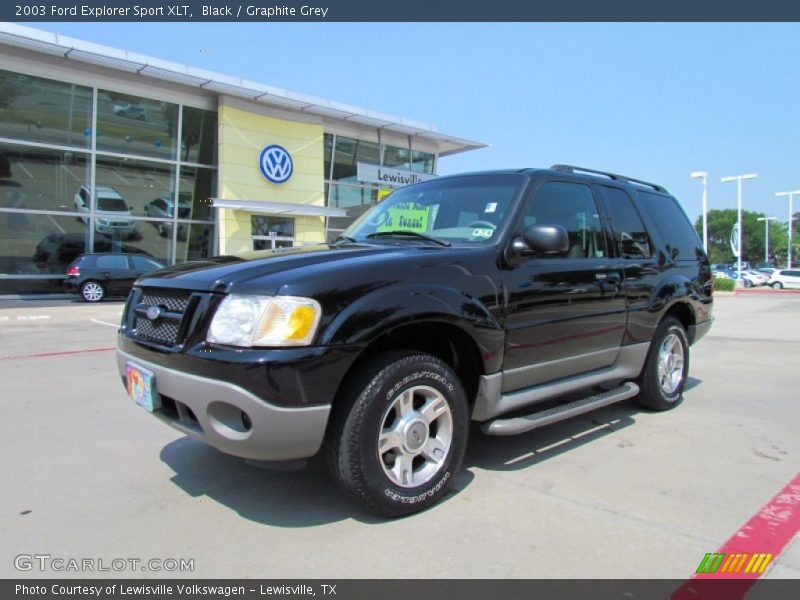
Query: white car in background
x: 785, y: 278
x: 757, y: 277
x: 112, y: 215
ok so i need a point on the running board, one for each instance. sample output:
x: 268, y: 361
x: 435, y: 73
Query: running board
x: 517, y: 425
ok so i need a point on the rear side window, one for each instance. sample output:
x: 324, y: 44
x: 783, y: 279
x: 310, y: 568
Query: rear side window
x: 112, y: 262
x: 673, y: 225
x: 630, y: 235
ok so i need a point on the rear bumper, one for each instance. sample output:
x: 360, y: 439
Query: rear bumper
x: 211, y: 411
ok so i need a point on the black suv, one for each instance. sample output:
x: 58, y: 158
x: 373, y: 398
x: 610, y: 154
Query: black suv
x: 486, y: 297
x: 95, y: 276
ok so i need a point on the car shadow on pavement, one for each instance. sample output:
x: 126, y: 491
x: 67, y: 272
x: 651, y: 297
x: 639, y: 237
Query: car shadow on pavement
x: 511, y: 453
x: 297, y: 498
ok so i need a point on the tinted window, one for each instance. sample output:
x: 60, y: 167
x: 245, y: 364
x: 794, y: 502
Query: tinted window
x: 673, y: 225
x: 572, y: 206
x: 630, y: 235
x: 145, y: 263
x: 112, y: 262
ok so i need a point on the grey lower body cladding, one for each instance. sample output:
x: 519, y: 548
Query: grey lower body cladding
x: 492, y: 402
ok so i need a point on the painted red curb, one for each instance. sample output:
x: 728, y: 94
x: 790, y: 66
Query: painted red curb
x: 765, y: 291
x: 768, y: 531
x: 47, y: 354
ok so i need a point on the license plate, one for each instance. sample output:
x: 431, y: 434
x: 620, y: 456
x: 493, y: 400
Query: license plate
x: 142, y: 387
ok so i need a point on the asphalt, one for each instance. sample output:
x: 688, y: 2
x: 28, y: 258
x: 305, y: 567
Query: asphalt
x: 618, y: 493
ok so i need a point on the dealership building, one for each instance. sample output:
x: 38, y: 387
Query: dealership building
x: 114, y: 151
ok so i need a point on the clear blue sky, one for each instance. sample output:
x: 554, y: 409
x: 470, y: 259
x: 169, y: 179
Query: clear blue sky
x: 654, y: 101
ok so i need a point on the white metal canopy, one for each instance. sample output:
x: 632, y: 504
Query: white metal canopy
x: 279, y: 208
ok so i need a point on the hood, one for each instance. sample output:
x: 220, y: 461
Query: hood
x: 268, y: 270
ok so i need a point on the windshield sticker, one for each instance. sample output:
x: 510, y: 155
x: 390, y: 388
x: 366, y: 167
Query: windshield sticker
x: 482, y: 233
x: 490, y: 207
x: 406, y: 216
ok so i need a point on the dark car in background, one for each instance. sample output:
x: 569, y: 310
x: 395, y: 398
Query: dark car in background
x: 56, y: 251
x: 96, y: 276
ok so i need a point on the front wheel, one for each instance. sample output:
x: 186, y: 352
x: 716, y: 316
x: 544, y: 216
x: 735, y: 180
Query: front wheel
x: 397, y: 443
x: 666, y: 367
x: 777, y: 285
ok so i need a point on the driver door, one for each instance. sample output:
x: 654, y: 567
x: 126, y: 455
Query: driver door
x: 566, y: 312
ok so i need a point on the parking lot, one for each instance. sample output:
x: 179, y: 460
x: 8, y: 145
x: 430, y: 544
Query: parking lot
x: 619, y: 493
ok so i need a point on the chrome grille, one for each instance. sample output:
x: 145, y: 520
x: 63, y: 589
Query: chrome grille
x: 172, y: 300
x: 165, y: 329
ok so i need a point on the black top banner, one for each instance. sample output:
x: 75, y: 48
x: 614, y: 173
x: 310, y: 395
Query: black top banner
x: 400, y: 11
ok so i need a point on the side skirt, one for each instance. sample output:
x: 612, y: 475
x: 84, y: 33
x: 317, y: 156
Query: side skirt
x: 492, y: 402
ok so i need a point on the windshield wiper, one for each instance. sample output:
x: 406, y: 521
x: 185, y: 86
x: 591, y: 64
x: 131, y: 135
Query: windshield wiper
x: 404, y: 233
x: 345, y: 238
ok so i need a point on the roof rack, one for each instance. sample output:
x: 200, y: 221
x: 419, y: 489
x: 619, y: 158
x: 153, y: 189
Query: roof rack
x: 573, y: 169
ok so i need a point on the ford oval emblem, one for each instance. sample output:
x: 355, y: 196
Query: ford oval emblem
x: 153, y: 312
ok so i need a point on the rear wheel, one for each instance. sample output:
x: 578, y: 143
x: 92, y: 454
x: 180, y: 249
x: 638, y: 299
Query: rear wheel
x: 399, y: 440
x: 91, y: 291
x: 666, y: 367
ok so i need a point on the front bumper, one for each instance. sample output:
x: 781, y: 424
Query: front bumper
x: 211, y: 411
x: 698, y: 330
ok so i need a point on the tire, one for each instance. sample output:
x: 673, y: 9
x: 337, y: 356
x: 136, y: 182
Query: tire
x: 748, y: 284
x: 777, y: 285
x: 398, y: 441
x: 91, y: 291
x: 662, y: 379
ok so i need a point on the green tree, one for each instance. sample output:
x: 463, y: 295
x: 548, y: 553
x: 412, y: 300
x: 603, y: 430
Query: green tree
x: 720, y: 224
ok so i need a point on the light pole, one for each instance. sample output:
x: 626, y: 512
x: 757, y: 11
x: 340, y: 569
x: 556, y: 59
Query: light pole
x: 766, y: 236
x: 738, y: 179
x: 704, y: 176
x: 791, y: 197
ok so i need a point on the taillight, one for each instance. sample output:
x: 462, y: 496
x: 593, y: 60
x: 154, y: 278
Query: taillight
x: 73, y: 271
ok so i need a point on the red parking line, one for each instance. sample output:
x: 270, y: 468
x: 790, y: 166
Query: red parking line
x: 46, y: 354
x: 768, y: 531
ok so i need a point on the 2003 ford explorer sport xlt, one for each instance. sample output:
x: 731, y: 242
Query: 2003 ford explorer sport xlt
x: 486, y: 297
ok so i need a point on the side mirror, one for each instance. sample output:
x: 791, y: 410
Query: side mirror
x: 547, y: 239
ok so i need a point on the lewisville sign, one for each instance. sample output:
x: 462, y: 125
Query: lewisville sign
x: 388, y: 175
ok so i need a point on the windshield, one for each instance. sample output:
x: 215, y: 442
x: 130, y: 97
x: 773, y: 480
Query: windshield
x: 111, y: 204
x: 466, y: 209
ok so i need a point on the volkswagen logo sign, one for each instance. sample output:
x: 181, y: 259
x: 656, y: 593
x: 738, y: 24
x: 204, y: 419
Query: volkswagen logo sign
x: 276, y: 164
x: 153, y: 312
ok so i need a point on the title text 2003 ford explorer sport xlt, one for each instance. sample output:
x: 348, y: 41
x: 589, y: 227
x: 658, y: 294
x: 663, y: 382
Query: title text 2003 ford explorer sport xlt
x: 484, y: 297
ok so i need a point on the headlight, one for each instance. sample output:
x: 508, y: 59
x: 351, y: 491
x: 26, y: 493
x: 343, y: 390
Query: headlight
x: 246, y: 320
x: 103, y: 222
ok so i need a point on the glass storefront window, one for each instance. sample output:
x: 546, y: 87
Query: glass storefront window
x: 133, y: 125
x: 328, y: 144
x: 199, y: 136
x: 348, y: 153
x: 43, y: 110
x: 422, y: 162
x: 195, y: 241
x: 131, y: 186
x: 276, y: 226
x: 37, y: 244
x: 346, y: 196
x: 396, y: 157
x: 149, y: 238
x: 197, y: 187
x: 41, y: 178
